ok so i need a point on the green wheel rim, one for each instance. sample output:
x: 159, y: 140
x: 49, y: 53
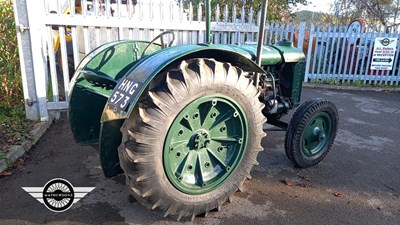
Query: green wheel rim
x: 205, y: 144
x: 316, y: 134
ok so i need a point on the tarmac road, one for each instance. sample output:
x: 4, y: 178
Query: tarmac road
x: 357, y: 183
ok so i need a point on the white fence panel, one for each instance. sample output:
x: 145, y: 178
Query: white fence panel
x: 337, y: 55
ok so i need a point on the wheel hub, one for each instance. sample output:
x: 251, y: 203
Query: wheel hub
x: 201, y: 139
x: 319, y: 133
x: 316, y: 133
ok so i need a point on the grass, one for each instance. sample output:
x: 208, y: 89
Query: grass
x: 354, y: 83
x: 14, y: 127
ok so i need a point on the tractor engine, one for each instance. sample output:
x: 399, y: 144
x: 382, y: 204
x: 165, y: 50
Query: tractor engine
x: 281, y: 84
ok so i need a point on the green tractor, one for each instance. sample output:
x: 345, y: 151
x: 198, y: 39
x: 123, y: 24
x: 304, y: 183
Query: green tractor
x: 185, y: 123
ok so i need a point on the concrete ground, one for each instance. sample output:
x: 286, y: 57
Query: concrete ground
x: 357, y: 183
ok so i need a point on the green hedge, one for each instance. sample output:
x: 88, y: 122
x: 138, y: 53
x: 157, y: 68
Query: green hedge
x: 11, y: 95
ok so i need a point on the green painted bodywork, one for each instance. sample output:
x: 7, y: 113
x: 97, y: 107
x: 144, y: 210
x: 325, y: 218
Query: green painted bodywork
x: 269, y: 55
x: 293, y: 70
x: 205, y: 144
x: 291, y: 81
x: 290, y: 54
x: 95, y: 122
x: 87, y: 100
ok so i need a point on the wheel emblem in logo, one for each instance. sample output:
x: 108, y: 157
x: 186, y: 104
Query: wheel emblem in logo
x: 386, y: 41
x: 58, y: 195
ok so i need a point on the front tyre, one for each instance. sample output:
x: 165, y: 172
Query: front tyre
x: 311, y: 132
x: 193, y: 139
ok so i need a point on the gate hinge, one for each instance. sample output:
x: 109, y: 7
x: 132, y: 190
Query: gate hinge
x: 30, y: 101
x: 21, y: 28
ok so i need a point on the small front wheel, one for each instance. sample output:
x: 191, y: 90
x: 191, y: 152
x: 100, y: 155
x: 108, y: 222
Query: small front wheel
x: 311, y: 132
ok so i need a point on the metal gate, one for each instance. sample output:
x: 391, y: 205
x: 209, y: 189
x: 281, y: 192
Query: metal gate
x: 54, y: 36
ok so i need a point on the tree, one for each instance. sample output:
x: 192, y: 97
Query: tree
x: 379, y: 11
x: 277, y: 9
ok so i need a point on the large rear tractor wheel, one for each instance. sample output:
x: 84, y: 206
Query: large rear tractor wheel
x: 193, y: 139
x: 311, y: 132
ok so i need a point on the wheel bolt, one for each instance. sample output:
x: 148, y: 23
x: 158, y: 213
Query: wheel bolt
x: 220, y: 149
x: 207, y: 164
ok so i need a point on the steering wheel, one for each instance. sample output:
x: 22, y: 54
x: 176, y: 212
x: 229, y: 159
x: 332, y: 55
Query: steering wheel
x: 161, y: 37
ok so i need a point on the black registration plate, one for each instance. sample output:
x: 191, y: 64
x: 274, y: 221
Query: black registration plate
x: 123, y: 94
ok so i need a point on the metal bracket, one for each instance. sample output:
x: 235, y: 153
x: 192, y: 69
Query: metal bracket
x: 278, y: 123
x: 30, y: 101
x: 21, y: 28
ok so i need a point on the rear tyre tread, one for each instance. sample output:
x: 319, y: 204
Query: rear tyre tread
x: 146, y: 177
